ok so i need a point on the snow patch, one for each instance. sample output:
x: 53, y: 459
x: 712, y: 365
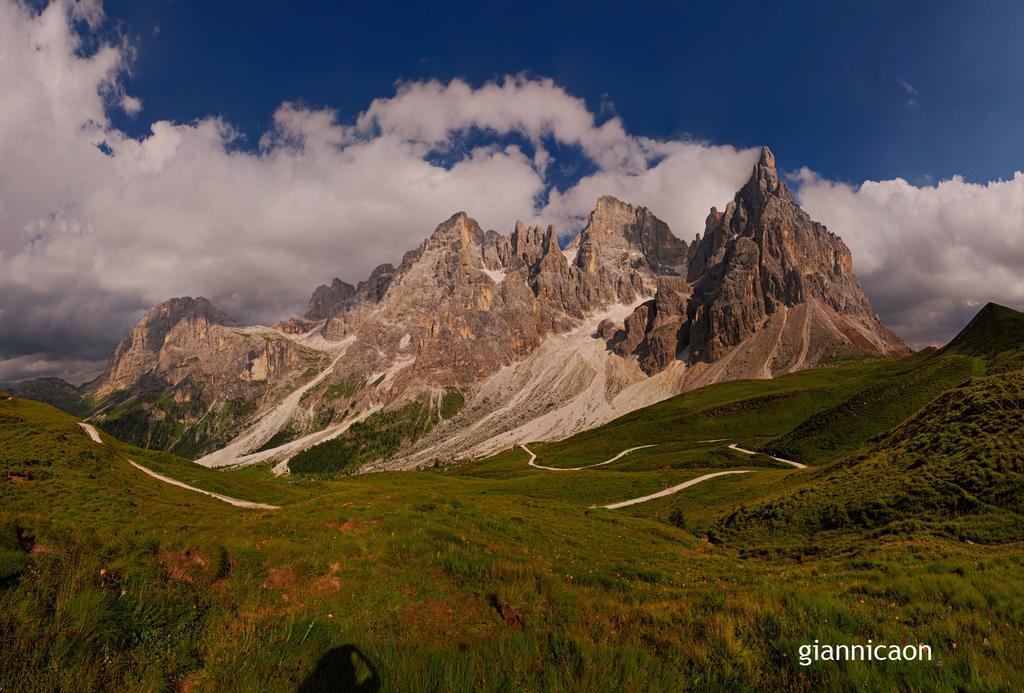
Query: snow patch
x: 397, y: 367
x: 312, y: 339
x: 497, y: 276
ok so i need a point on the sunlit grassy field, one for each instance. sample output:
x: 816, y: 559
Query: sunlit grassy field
x: 490, y: 574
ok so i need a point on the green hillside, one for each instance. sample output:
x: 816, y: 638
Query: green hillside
x: 54, y: 391
x: 992, y: 342
x: 833, y: 432
x: 748, y: 411
x: 996, y: 334
x: 955, y: 467
x: 494, y: 575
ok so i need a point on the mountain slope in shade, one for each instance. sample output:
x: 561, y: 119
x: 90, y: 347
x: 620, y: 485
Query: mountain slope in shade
x: 536, y: 340
x: 995, y: 334
x: 53, y: 391
x: 951, y: 461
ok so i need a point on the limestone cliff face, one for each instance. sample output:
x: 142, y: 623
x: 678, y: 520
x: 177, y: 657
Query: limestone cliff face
x: 460, y: 306
x: 764, y: 291
x: 328, y: 300
x: 621, y: 252
x: 338, y: 296
x: 190, y: 337
x: 467, y: 302
x: 179, y: 367
x: 656, y: 331
x: 184, y: 322
x: 758, y: 259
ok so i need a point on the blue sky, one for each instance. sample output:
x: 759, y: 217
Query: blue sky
x: 249, y: 152
x: 857, y: 90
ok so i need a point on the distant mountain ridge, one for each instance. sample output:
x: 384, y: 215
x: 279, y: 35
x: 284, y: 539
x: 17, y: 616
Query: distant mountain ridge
x: 538, y: 341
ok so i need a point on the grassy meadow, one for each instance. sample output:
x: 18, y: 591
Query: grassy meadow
x: 494, y: 575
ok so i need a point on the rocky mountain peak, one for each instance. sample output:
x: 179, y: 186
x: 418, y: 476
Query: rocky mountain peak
x: 327, y: 301
x: 374, y: 288
x: 765, y: 291
x: 139, y: 351
x: 764, y: 182
x: 529, y: 244
x: 174, y: 310
x: 758, y: 259
x: 621, y: 235
x: 459, y: 229
x: 611, y: 217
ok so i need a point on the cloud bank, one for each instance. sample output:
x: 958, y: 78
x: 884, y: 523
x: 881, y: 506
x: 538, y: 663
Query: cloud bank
x: 97, y: 226
x: 929, y: 257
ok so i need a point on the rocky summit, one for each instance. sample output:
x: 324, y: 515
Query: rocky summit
x: 765, y: 275
x: 483, y: 340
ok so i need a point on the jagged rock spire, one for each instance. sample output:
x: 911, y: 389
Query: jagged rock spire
x: 764, y: 182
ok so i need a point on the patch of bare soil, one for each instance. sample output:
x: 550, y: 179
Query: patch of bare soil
x: 279, y: 578
x: 189, y: 683
x: 326, y: 584
x: 184, y: 566
x: 345, y: 527
x: 428, y: 616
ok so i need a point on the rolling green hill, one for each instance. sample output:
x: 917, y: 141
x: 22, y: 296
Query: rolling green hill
x: 749, y: 411
x: 494, y: 575
x: 954, y: 467
x: 992, y: 342
x: 996, y: 334
x: 829, y: 434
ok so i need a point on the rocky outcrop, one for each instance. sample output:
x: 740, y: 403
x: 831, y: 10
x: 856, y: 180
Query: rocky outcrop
x: 183, y: 362
x: 656, y: 332
x: 338, y: 297
x: 621, y: 252
x: 330, y: 300
x: 462, y: 304
x: 53, y: 391
x: 188, y: 321
x: 523, y: 327
x: 757, y: 259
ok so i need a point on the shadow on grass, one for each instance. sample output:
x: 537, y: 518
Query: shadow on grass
x: 343, y: 668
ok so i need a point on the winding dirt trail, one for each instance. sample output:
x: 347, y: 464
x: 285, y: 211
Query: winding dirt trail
x: 91, y: 430
x: 670, y: 490
x: 95, y: 436
x: 533, y: 459
x: 737, y: 448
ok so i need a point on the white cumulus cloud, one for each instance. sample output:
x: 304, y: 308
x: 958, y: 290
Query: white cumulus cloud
x: 929, y: 257
x: 96, y: 226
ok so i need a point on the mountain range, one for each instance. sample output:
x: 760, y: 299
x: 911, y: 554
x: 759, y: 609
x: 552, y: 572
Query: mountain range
x: 477, y: 341
x: 801, y: 486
